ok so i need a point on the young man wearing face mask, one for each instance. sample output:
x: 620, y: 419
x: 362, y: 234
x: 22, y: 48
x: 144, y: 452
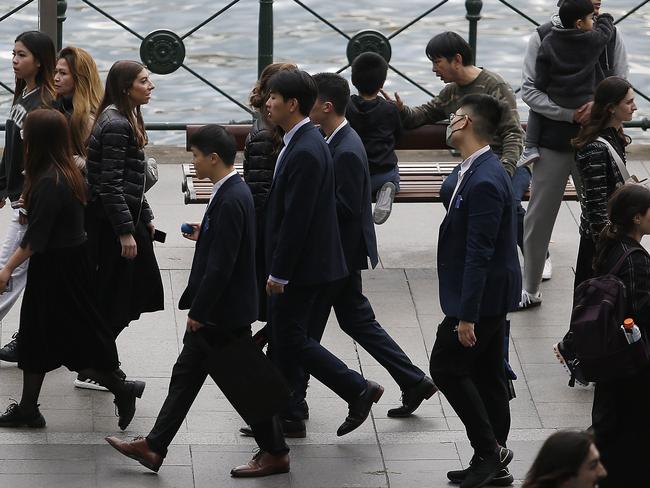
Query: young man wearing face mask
x: 479, y: 280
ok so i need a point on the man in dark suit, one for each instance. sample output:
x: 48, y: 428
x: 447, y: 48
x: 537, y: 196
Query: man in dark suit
x: 221, y: 296
x: 303, y: 253
x: 353, y: 310
x: 479, y: 281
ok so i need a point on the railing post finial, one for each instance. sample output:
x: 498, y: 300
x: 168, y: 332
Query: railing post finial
x: 61, y: 8
x: 473, y: 8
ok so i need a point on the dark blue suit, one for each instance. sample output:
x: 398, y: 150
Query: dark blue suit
x: 303, y: 246
x: 479, y: 282
x: 353, y: 310
x: 221, y: 294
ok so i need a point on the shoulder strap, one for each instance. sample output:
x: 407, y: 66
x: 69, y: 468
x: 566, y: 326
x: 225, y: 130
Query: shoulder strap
x: 616, y: 268
x: 625, y: 174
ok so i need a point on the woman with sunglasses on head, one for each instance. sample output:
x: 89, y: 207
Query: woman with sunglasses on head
x: 33, y: 60
x: 119, y: 221
x: 60, y: 324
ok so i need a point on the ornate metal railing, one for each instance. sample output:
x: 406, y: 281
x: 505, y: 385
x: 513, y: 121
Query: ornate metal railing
x: 163, y: 51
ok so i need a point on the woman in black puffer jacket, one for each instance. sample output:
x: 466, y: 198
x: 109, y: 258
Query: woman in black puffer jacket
x: 260, y: 152
x: 119, y: 219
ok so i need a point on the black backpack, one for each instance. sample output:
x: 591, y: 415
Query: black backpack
x: 601, y: 349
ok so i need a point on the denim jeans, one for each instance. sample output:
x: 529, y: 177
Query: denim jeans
x: 13, y: 237
x: 378, y: 180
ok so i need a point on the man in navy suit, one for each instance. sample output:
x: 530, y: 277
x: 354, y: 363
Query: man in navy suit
x: 353, y: 310
x: 221, y: 296
x: 479, y: 281
x: 303, y: 253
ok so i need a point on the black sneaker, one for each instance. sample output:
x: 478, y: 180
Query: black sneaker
x: 15, y: 416
x: 9, y: 353
x: 484, y: 470
x: 503, y: 477
x: 568, y: 359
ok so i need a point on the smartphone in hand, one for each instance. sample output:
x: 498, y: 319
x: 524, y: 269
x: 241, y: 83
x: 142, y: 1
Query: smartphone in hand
x: 159, y: 236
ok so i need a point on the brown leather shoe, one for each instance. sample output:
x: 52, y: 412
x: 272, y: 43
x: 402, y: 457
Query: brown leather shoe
x: 262, y: 464
x: 139, y: 450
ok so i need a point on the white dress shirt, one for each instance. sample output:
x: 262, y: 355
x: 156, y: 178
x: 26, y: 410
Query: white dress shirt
x: 218, y: 184
x: 464, y: 168
x: 329, y: 138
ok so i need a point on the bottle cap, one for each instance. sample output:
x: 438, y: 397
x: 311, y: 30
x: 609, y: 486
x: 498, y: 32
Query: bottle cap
x: 628, y: 323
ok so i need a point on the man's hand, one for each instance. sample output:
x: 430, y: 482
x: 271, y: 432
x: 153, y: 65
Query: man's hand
x: 194, y: 236
x: 273, y: 287
x: 129, y: 246
x: 466, y: 334
x: 582, y: 114
x: 398, y: 101
x: 193, y: 325
x: 152, y: 229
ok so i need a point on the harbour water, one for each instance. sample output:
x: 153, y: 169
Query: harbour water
x: 224, y: 51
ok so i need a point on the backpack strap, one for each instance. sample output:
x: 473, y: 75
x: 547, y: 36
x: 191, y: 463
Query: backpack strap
x: 617, y: 267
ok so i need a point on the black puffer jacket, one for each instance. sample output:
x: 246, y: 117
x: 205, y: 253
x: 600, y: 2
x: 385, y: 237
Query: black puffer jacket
x: 259, y: 162
x: 116, y: 166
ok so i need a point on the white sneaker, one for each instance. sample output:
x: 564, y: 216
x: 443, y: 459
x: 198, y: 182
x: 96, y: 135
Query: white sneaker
x: 384, y: 204
x: 88, y: 384
x: 547, y: 274
x: 529, y: 300
x: 529, y: 156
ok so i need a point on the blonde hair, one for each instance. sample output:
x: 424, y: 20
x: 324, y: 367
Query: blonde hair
x: 88, y: 93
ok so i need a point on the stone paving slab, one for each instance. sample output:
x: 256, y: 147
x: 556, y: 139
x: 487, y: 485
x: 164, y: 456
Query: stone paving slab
x: 414, y: 452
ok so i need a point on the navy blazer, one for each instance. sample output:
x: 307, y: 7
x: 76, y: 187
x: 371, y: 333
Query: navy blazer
x: 353, y: 204
x: 478, y: 266
x: 222, y: 288
x: 302, y: 240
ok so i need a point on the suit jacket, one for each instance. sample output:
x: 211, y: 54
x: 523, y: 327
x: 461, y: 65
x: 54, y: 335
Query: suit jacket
x: 302, y: 240
x: 353, y: 205
x: 222, y: 289
x: 478, y: 266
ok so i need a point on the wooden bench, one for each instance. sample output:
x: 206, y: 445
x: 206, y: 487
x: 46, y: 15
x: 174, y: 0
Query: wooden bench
x: 420, y: 181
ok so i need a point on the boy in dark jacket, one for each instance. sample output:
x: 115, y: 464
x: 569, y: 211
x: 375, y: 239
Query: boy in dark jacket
x: 377, y: 122
x: 567, y: 66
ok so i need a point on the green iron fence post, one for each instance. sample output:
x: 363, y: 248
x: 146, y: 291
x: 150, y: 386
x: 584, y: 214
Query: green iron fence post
x: 473, y: 8
x: 265, y: 36
x: 61, y: 7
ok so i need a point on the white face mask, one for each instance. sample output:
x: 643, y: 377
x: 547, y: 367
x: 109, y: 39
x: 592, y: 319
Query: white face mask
x: 449, y: 132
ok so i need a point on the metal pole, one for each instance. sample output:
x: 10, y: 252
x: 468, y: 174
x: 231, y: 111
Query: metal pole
x: 265, y: 36
x: 473, y: 8
x: 47, y: 18
x: 61, y: 7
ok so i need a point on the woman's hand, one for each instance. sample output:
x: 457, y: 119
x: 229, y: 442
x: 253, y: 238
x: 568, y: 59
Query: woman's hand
x: 5, y: 276
x: 129, y: 246
x: 151, y: 228
x: 194, y: 236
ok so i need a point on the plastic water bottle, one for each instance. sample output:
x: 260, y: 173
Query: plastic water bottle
x: 632, y: 331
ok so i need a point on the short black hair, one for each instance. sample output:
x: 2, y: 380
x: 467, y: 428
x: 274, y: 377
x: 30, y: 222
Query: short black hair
x: 447, y: 45
x: 573, y: 10
x: 335, y: 89
x: 213, y: 138
x: 486, y: 113
x: 369, y: 72
x: 295, y: 83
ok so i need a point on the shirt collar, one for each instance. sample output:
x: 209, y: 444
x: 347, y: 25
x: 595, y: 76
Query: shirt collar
x: 219, y: 184
x: 467, y: 164
x: 289, y: 135
x: 331, y: 136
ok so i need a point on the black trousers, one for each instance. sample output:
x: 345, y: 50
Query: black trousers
x: 188, y: 376
x: 473, y: 380
x: 357, y: 319
x: 584, y: 262
x: 296, y: 352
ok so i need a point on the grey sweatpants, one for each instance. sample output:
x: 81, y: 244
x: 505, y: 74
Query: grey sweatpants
x: 547, y: 186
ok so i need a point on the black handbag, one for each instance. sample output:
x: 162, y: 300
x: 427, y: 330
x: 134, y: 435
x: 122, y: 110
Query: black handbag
x: 249, y: 380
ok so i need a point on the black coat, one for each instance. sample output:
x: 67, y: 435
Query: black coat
x: 222, y: 289
x: 353, y: 206
x: 259, y: 162
x: 116, y: 166
x: 302, y: 240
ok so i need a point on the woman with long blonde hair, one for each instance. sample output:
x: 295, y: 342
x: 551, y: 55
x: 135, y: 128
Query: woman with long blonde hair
x: 79, y: 93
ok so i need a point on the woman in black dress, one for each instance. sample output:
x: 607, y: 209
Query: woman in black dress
x: 60, y: 324
x: 119, y: 220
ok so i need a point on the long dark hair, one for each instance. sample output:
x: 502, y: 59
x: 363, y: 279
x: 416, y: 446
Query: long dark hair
x: 609, y: 93
x: 42, y: 48
x: 47, y: 145
x: 119, y: 81
x: 625, y: 203
x: 559, y: 459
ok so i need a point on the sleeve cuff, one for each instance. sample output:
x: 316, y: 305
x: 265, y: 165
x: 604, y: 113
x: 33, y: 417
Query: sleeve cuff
x: 278, y: 280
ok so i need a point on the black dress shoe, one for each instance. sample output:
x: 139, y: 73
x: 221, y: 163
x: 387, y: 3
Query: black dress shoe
x: 17, y: 416
x: 292, y: 429
x: 483, y: 471
x: 304, y: 409
x: 125, y: 402
x: 9, y: 352
x: 413, y: 397
x: 502, y: 478
x: 359, y: 409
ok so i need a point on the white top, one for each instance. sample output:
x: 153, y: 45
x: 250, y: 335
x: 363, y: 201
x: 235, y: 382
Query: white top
x: 464, y: 167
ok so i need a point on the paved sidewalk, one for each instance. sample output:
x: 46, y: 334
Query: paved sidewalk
x: 396, y: 453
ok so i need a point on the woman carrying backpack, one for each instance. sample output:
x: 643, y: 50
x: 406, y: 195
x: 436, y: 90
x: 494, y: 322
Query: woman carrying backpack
x: 620, y: 412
